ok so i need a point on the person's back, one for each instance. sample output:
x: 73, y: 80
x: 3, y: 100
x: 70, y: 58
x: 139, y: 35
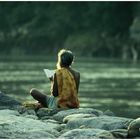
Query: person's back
x: 67, y: 88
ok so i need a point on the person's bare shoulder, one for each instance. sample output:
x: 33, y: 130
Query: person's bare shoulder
x: 76, y: 73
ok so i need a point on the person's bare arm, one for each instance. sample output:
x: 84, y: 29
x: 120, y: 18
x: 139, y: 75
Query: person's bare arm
x: 78, y: 81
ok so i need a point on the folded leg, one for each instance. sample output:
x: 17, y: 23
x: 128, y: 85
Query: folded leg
x: 40, y: 97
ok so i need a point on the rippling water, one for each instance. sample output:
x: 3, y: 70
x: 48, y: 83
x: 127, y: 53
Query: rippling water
x: 104, y: 84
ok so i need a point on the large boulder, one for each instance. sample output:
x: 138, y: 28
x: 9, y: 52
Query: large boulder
x: 62, y: 114
x: 102, y: 122
x: 87, y: 134
x: 7, y: 102
x: 12, y: 125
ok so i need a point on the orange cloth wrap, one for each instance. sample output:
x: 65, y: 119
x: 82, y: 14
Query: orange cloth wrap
x: 67, y: 92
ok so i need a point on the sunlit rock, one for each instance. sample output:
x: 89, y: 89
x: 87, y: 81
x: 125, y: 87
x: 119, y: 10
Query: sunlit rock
x: 79, y: 116
x: 103, y: 122
x: 62, y: 114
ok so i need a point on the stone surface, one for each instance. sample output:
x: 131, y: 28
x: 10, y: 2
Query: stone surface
x: 108, y: 113
x: 7, y: 102
x: 62, y: 114
x: 134, y: 128
x: 79, y: 116
x: 103, y: 122
x: 14, y: 126
x: 86, y: 134
x: 26, y: 111
x: 120, y: 133
x: 20, y: 122
x: 105, y: 135
x: 44, y: 112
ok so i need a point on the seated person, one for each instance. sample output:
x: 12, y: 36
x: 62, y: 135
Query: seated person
x: 64, y: 85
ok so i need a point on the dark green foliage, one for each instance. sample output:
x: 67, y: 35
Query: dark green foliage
x: 45, y: 27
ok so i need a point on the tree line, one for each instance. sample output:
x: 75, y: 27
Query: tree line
x: 95, y: 29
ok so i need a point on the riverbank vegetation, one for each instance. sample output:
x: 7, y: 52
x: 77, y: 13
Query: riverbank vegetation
x: 107, y: 29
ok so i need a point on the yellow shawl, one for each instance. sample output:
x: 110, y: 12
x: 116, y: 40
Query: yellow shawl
x: 67, y: 92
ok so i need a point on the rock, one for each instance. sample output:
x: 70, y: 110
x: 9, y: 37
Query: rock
x: 61, y: 128
x: 26, y: 122
x: 26, y: 111
x: 51, y: 121
x: 105, y: 135
x: 8, y: 112
x: 7, y: 102
x: 62, y: 114
x: 102, y: 122
x: 44, y: 112
x: 31, y: 116
x: 108, y: 113
x: 120, y: 133
x: 134, y: 128
x: 14, y: 126
x: 85, y: 134
x: 52, y: 125
x: 79, y: 116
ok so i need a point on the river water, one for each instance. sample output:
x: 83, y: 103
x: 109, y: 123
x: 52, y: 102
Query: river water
x: 106, y: 85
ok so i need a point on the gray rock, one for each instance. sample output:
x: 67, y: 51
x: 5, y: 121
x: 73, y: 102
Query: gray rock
x: 108, y: 113
x: 31, y: 116
x: 26, y: 111
x: 6, y: 112
x: 62, y: 114
x: 46, y: 112
x: 61, y: 128
x: 105, y: 135
x: 7, y: 102
x: 120, y: 133
x: 26, y: 123
x: 134, y: 128
x: 79, y: 116
x: 103, y: 122
x: 86, y: 134
x: 51, y: 121
x: 52, y: 124
x: 14, y: 126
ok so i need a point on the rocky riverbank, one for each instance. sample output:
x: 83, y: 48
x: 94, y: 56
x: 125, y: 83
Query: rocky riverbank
x: 17, y: 121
